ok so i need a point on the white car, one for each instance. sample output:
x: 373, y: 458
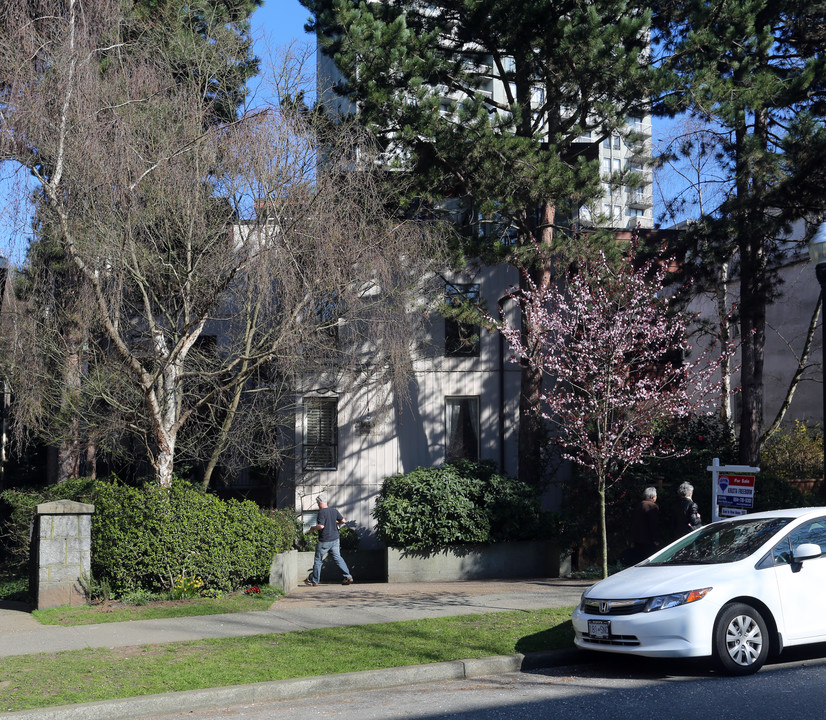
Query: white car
x: 733, y: 590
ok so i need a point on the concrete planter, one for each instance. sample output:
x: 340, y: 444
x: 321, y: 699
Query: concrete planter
x: 291, y: 568
x: 365, y: 565
x: 467, y: 562
x: 475, y: 562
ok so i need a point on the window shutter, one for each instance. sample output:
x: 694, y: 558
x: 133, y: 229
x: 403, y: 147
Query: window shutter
x: 320, y: 433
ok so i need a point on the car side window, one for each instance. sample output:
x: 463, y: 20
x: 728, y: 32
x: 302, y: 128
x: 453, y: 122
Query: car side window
x: 812, y: 532
x: 782, y: 552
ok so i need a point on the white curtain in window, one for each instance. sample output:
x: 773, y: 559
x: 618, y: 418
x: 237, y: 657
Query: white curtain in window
x: 462, y: 428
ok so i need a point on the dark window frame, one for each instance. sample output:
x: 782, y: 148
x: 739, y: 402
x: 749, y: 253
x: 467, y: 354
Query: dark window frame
x: 462, y: 339
x: 320, y: 433
x: 463, y: 441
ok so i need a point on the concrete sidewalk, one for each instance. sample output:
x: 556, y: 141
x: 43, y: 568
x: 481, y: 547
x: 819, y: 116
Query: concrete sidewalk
x: 303, y: 609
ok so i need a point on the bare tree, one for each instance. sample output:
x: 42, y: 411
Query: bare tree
x: 694, y: 182
x: 198, y: 315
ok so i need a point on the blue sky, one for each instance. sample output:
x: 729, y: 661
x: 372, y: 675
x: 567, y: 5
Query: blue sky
x: 281, y: 20
x: 277, y: 23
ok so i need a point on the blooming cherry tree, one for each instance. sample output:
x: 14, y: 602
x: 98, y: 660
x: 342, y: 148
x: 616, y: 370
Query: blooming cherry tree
x: 615, y: 352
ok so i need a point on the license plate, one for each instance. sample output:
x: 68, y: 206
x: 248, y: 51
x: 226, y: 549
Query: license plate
x: 599, y: 629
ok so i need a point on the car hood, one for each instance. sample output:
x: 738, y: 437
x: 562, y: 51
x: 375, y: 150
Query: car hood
x: 650, y: 580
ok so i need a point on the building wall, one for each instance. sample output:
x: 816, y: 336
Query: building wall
x: 787, y: 324
x: 409, y: 432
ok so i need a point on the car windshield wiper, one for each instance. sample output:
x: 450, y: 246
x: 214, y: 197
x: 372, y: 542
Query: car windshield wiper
x: 688, y: 561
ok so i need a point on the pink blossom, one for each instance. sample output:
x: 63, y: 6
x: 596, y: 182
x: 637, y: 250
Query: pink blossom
x: 613, y: 349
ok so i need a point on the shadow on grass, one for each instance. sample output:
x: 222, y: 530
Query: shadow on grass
x: 559, y: 637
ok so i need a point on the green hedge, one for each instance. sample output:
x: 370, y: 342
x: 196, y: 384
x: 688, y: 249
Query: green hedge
x: 455, y: 504
x: 21, y: 506
x: 145, y: 538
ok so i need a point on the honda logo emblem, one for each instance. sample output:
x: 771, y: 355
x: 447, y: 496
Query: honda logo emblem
x: 604, y: 606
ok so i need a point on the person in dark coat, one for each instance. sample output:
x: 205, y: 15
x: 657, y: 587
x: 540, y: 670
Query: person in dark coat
x: 645, y: 527
x: 688, y: 514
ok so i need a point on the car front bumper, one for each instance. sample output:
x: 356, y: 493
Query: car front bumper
x: 678, y: 632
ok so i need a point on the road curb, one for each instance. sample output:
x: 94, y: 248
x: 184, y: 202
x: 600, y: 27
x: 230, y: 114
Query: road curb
x: 278, y: 690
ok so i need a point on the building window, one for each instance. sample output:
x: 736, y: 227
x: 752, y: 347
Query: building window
x: 461, y: 428
x: 461, y: 337
x: 320, y: 433
x: 327, y: 314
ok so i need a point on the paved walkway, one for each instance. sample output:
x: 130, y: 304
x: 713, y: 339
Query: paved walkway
x: 302, y: 609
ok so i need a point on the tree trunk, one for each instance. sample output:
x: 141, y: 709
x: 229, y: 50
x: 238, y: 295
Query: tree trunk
x: 166, y: 410
x: 753, y: 333
x: 603, y: 527
x: 68, y: 452
x: 721, y: 292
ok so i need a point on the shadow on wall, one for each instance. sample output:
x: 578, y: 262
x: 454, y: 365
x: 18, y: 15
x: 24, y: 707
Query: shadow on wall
x: 413, y: 444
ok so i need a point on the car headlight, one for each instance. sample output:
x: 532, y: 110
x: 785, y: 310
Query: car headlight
x: 662, y: 602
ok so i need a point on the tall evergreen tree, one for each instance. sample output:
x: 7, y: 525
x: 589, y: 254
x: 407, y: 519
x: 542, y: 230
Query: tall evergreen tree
x: 516, y: 158
x: 206, y: 43
x: 743, y: 68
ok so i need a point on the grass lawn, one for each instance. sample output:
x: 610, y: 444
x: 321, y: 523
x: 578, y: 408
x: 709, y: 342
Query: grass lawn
x: 120, y: 611
x: 78, y: 676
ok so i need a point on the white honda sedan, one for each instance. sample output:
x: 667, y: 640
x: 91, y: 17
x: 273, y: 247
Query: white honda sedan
x: 734, y: 591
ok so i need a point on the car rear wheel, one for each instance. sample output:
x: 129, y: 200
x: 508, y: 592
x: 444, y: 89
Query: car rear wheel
x: 741, y: 640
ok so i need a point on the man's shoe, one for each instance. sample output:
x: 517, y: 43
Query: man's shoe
x: 347, y: 581
x: 310, y: 583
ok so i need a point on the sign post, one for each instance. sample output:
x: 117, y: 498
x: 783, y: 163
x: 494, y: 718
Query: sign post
x: 732, y: 489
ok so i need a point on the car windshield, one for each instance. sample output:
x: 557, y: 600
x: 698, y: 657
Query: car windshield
x: 721, y: 542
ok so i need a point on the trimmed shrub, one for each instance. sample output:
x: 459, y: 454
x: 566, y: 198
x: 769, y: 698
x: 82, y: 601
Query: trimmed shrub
x: 459, y: 503
x: 288, y: 527
x: 21, y: 507
x: 145, y: 538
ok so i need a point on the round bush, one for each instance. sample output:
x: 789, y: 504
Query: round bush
x: 455, y: 504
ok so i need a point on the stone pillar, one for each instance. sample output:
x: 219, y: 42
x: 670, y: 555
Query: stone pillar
x: 61, y: 552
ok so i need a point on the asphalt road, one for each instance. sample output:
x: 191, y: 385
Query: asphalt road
x: 607, y: 688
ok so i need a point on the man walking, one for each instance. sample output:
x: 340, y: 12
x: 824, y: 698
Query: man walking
x: 327, y: 524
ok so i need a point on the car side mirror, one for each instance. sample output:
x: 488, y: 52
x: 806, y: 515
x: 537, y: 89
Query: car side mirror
x: 806, y: 551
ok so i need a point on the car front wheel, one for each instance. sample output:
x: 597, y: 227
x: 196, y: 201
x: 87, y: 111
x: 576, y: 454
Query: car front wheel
x: 741, y: 640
